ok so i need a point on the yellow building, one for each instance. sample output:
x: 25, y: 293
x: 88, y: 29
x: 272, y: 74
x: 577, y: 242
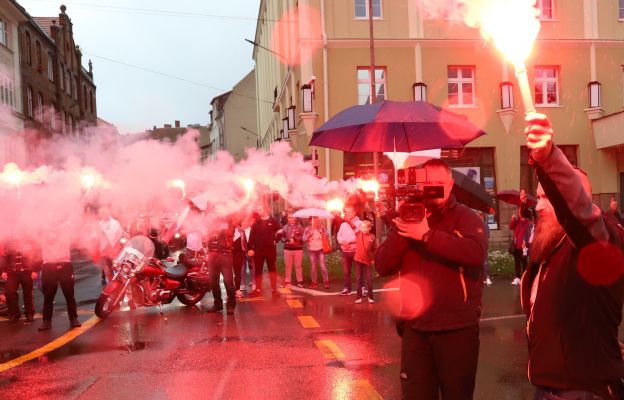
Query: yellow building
x: 580, y: 49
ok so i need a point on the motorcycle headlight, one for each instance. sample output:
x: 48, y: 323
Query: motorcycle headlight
x: 126, y: 268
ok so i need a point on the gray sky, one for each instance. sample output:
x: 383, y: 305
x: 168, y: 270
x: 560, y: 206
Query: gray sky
x: 202, y: 48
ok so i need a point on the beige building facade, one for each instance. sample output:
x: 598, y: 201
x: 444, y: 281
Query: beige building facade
x: 580, y: 50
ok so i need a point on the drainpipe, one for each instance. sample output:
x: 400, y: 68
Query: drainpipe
x: 325, y: 83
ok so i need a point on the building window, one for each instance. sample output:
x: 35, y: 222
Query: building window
x: 62, y: 77
x: 461, y: 86
x: 546, y: 86
x: 361, y: 9
x: 91, y: 102
x: 6, y: 91
x: 28, y: 50
x: 50, y: 67
x: 621, y: 14
x: 528, y: 176
x: 53, y: 116
x: 38, y: 56
x: 85, y: 101
x: 547, y: 9
x: 364, y: 84
x: 68, y: 77
x: 63, y: 122
x: 39, y: 109
x: 29, y: 99
x: 4, y: 32
x: 74, y: 88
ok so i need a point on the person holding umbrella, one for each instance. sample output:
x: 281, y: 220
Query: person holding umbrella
x: 519, y: 225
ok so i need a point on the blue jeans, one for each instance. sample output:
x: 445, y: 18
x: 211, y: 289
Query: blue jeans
x: 364, y: 275
x: 347, y: 265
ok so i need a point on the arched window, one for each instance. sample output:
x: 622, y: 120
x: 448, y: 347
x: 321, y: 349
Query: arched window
x: 50, y: 67
x: 39, y: 109
x: 53, y: 116
x: 85, y: 100
x: 62, y: 77
x: 63, y: 122
x: 29, y: 104
x: 38, y: 55
x: 27, y: 50
x: 91, y: 104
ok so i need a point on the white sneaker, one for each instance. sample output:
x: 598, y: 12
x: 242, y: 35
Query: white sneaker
x: 488, y: 281
x: 371, y: 301
x: 516, y: 281
x: 358, y: 301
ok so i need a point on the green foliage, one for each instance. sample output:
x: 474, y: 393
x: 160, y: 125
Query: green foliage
x: 501, y: 263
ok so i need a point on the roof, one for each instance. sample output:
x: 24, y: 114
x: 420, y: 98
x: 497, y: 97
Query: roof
x: 223, y: 95
x: 45, y: 23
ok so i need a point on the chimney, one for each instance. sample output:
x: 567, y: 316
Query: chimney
x: 177, y: 124
x: 167, y: 126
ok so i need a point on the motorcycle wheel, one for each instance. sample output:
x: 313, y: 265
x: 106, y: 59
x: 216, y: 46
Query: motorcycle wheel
x: 104, y: 305
x: 191, y: 299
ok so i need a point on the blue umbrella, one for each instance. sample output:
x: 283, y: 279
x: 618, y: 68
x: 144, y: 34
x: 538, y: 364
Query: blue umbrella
x: 395, y: 126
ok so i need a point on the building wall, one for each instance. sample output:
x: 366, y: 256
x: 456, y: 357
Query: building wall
x: 240, y: 111
x: 585, y: 40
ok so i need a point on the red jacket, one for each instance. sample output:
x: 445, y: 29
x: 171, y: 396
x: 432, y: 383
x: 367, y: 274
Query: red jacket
x: 441, y: 280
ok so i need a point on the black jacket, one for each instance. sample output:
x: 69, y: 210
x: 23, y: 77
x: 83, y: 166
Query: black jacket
x: 262, y: 236
x: 20, y: 256
x: 573, y: 325
x: 441, y: 280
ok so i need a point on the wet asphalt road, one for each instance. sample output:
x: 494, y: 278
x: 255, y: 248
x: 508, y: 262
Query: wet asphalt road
x: 261, y: 352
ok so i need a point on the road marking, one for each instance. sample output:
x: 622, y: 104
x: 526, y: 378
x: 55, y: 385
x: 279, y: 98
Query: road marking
x: 248, y: 299
x: 313, y: 292
x: 39, y: 316
x: 308, y: 321
x: 503, y: 317
x: 329, y: 349
x: 284, y: 290
x: 294, y: 304
x: 365, y: 391
x: 53, y: 345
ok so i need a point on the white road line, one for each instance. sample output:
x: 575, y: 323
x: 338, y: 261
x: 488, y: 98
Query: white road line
x: 313, y: 292
x: 503, y: 317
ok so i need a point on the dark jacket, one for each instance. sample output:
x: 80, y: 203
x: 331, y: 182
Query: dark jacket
x: 262, y: 236
x: 441, y: 280
x: 20, y: 256
x: 573, y: 325
x: 294, y: 232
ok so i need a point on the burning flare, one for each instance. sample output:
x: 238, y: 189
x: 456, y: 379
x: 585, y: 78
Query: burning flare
x: 249, y: 185
x: 512, y: 25
x: 371, y: 186
x: 12, y: 175
x: 334, y: 204
x: 179, y: 183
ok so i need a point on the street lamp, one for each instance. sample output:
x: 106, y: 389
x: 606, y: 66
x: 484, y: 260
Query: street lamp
x: 308, y: 95
x: 594, y: 94
x: 420, y: 91
x: 291, y: 118
x: 506, y: 95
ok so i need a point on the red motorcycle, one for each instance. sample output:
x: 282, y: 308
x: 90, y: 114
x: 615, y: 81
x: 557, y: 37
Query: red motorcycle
x: 151, y: 282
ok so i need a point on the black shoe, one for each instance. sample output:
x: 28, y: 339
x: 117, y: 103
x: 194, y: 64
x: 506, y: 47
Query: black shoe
x: 14, y: 320
x: 74, y: 323
x: 255, y: 293
x: 45, y: 326
x: 30, y: 318
x: 230, y: 310
x: 215, y: 309
x: 275, y: 294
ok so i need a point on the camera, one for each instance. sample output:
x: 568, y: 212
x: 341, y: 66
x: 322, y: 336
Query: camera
x: 412, y: 190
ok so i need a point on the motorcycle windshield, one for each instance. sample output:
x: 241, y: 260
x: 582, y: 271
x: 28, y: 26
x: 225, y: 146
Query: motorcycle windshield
x: 142, y: 244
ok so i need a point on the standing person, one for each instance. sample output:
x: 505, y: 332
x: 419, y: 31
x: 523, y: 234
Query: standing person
x: 518, y: 225
x: 573, y: 290
x: 262, y: 248
x: 486, y: 263
x: 613, y: 209
x: 19, y: 263
x: 346, y: 239
x: 364, y: 256
x: 292, y: 236
x: 220, y: 262
x: 239, y: 255
x: 440, y: 260
x: 161, y: 249
x: 335, y: 227
x: 313, y: 236
x: 57, y: 270
x: 109, y: 246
